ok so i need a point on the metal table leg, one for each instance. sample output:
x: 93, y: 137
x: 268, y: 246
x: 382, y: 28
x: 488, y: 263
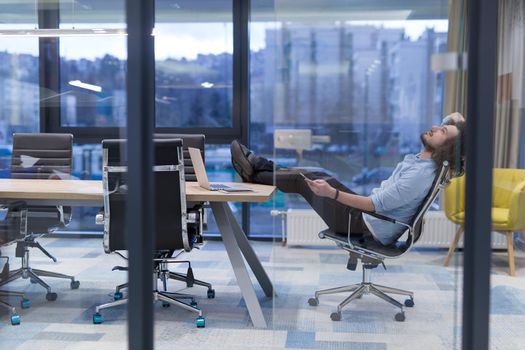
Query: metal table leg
x: 249, y: 255
x: 222, y: 214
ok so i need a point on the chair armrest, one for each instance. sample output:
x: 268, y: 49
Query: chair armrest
x: 517, y: 206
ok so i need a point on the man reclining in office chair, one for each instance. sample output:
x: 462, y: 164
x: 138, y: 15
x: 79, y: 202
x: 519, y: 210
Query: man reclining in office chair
x: 398, y: 197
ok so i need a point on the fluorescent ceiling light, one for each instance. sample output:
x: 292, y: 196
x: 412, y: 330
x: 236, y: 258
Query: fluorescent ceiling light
x: 55, y: 33
x: 86, y: 86
x: 207, y: 85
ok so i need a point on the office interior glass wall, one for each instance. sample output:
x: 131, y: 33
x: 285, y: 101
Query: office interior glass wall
x: 194, y: 79
x: 362, y: 86
x: 92, y: 85
x: 507, y: 311
x: 58, y: 66
x: 349, y: 91
x: 194, y: 61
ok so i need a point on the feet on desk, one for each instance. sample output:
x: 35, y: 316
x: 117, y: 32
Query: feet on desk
x: 246, y: 163
x: 241, y: 160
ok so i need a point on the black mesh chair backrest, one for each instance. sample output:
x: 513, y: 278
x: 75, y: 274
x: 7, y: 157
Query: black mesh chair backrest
x: 41, y: 156
x: 170, y: 197
x: 401, y: 246
x: 188, y: 140
x: 439, y: 182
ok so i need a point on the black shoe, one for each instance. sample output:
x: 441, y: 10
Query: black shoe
x: 240, y: 160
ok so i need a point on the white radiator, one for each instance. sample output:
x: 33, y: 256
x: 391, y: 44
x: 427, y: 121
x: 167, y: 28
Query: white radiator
x: 303, y: 226
x: 438, y: 231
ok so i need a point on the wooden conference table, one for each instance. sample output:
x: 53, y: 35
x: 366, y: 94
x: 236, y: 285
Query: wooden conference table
x: 89, y: 193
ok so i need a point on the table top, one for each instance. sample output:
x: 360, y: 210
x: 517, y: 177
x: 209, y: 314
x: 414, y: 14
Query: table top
x: 91, y: 191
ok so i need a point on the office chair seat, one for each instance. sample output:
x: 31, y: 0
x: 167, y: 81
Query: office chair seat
x: 367, y: 242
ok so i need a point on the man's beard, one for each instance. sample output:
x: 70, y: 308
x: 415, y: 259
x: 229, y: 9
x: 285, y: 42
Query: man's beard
x: 425, y: 143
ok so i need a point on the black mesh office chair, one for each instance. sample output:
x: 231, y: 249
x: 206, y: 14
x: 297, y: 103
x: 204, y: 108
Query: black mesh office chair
x: 196, y: 210
x: 196, y: 214
x: 41, y: 156
x: 171, y: 218
x: 372, y: 254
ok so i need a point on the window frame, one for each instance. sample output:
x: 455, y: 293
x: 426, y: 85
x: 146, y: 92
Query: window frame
x: 49, y: 64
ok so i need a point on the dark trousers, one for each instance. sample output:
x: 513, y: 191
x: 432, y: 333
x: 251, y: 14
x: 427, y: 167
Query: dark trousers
x: 333, y: 213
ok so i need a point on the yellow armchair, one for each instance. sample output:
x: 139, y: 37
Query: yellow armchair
x: 508, y: 207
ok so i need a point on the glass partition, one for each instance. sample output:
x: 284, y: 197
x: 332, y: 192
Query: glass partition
x: 508, y: 193
x: 56, y: 193
x: 194, y: 64
x: 351, y: 98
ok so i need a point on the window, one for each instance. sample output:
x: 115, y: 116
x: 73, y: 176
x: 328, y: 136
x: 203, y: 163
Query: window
x: 18, y: 82
x: 362, y: 88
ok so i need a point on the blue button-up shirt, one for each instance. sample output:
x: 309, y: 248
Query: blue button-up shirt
x: 400, y: 196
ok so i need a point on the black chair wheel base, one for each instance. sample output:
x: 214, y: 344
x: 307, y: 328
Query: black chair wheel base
x: 117, y: 296
x: 75, y: 284
x: 51, y: 296
x: 335, y: 316
x: 211, y: 293
x: 313, y: 301
x: 409, y: 303
x: 400, y: 316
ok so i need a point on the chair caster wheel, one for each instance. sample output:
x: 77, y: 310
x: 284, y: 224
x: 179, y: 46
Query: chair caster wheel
x: 51, y: 296
x: 117, y: 296
x: 15, y: 319
x: 199, y: 322
x: 211, y: 293
x: 97, y: 318
x: 165, y: 304
x: 25, y: 303
x: 194, y: 304
x: 335, y: 316
x: 409, y: 303
x: 400, y: 316
x: 75, y: 284
x: 313, y: 301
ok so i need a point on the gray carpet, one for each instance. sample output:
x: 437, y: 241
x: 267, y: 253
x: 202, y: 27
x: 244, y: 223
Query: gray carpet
x: 296, y: 273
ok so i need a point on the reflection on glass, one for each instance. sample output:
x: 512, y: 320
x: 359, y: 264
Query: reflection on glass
x: 194, y: 74
x: 219, y: 169
x: 508, y: 199
x: 18, y: 82
x: 363, y: 89
x: 92, y: 81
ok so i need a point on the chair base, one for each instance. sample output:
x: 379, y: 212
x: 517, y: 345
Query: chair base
x: 174, y: 276
x: 167, y: 299
x: 25, y: 271
x: 34, y: 275
x: 366, y: 287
